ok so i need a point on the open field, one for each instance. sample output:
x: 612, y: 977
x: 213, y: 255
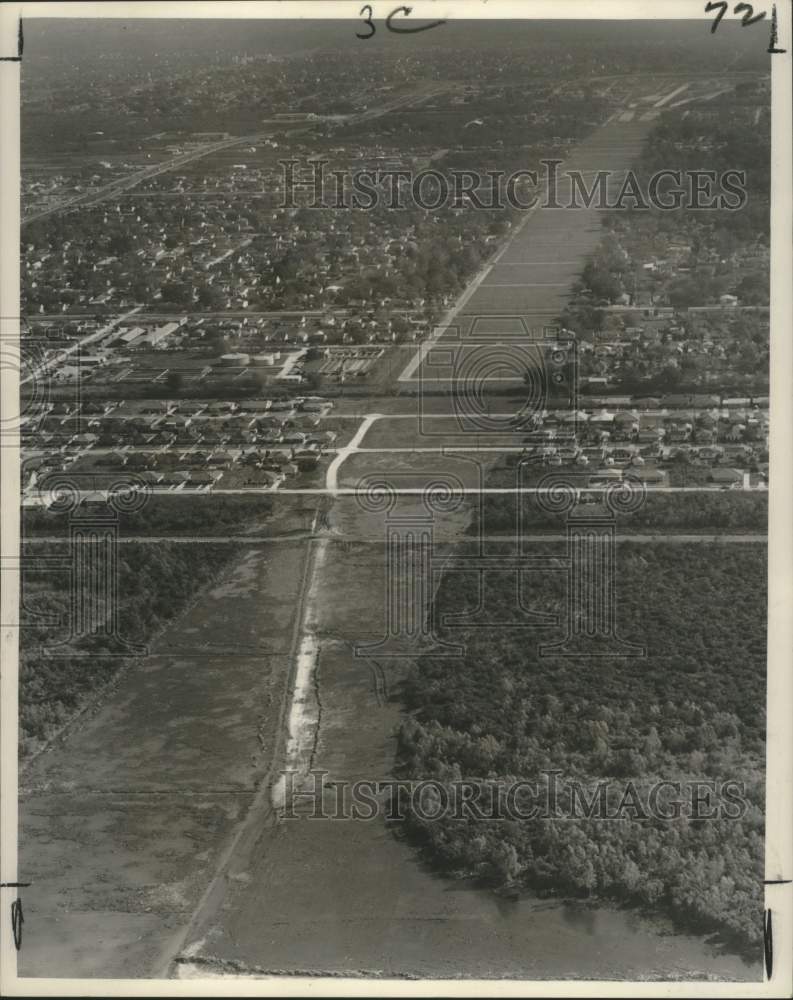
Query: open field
x: 431, y: 431
x: 124, y: 820
x: 415, y: 470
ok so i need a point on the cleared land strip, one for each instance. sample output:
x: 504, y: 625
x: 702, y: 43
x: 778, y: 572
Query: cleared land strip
x: 238, y: 852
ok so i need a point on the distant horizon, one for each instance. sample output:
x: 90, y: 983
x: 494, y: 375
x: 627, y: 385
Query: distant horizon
x: 282, y: 36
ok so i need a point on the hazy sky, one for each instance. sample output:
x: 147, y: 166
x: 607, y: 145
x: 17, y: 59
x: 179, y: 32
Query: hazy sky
x: 80, y: 40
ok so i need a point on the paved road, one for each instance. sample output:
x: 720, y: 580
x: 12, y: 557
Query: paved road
x: 332, y: 475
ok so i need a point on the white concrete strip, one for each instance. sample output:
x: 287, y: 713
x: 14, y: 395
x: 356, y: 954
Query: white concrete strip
x: 332, y: 476
x: 674, y: 93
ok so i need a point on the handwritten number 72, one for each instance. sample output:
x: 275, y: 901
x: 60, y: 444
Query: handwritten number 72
x: 749, y: 17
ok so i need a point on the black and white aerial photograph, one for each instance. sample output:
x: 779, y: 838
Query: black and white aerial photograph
x: 393, y: 595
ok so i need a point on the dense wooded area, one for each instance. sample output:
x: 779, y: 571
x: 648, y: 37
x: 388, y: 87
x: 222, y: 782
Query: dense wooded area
x: 713, y: 511
x: 692, y: 709
x: 167, y: 515
x: 155, y: 583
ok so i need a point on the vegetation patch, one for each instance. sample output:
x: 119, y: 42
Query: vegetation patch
x: 692, y: 710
